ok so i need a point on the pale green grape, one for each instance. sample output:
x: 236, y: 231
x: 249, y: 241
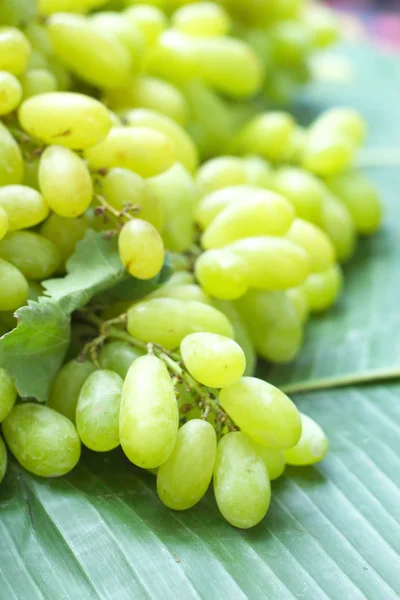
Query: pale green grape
x: 241, y: 334
x: 296, y: 147
x: 328, y: 153
x: 10, y: 92
x: 274, y: 460
x: 214, y: 360
x: 140, y: 149
x: 298, y: 298
x: 173, y: 57
x: 220, y: 172
x: 97, y: 57
x: 124, y: 30
x: 185, y: 476
x: 97, y: 411
x: 261, y: 213
x: 118, y: 357
x: 33, y: 254
x: 176, y: 192
x: 341, y: 120
x: 167, y: 321
x: 186, y: 291
x: 66, y: 233
x: 263, y: 412
x: 25, y: 207
x: 202, y: 19
x: 3, y: 459
x: 150, y: 21
x: 274, y: 324
x: 43, y: 441
x: 258, y: 171
x: 66, y: 118
x: 274, y: 263
x: 241, y: 484
x: 122, y: 187
x: 141, y: 249
x: 312, y: 446
x: 361, y: 198
x: 323, y: 24
x: 65, y: 182
x: 3, y: 223
x: 67, y: 385
x: 8, y: 394
x: 323, y: 289
x: 215, y: 202
x: 14, y: 288
x: 185, y: 149
x: 268, y: 135
x: 315, y: 242
x: 38, y: 81
x: 14, y: 50
x: 11, y: 164
x: 222, y: 274
x: 303, y: 190
x: 338, y: 223
x: 149, y: 413
x: 291, y: 43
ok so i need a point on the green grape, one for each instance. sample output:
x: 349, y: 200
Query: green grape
x: 185, y: 149
x: 97, y: 411
x: 298, y: 298
x: 10, y: 93
x: 67, y: 385
x: 185, y: 476
x: 220, y: 172
x: 124, y: 30
x: 361, y: 198
x: 263, y: 412
x: 8, y: 394
x: 214, y: 360
x: 3, y: 459
x: 202, y: 19
x: 97, y: 57
x: 274, y: 263
x: 140, y: 149
x: 215, y: 202
x: 274, y: 324
x: 150, y: 21
x: 323, y: 289
x: 274, y: 460
x: 341, y: 120
x: 122, y: 187
x: 66, y: 233
x: 34, y: 255
x: 323, y: 24
x: 3, y: 223
x: 303, y: 190
x: 118, y: 357
x: 222, y: 274
x: 173, y: 57
x: 38, y: 81
x: 149, y: 415
x: 38, y: 37
x: 14, y: 288
x: 261, y: 213
x: 176, y: 191
x: 11, y: 164
x: 312, y: 446
x: 65, y: 182
x: 184, y: 292
x: 268, y: 135
x: 14, y: 50
x: 291, y: 43
x: 338, y: 223
x: 43, y: 441
x: 166, y: 321
x: 24, y: 206
x: 141, y: 249
x: 315, y: 242
x: 241, y: 485
x: 37, y: 60
x: 152, y: 93
x: 241, y: 334
x: 327, y: 153
x: 258, y: 171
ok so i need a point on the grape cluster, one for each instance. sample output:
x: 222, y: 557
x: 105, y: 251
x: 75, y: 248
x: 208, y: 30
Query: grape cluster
x: 137, y: 123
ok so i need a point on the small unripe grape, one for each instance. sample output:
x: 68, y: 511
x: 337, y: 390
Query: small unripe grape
x: 185, y: 476
x: 67, y: 385
x: 315, y: 242
x: 214, y: 360
x: 14, y: 287
x: 274, y: 460
x: 33, y: 254
x: 25, y: 207
x: 202, y: 19
x: 222, y: 274
x: 3, y: 459
x: 14, y: 50
x: 312, y: 445
x: 10, y: 92
x: 241, y: 484
x: 141, y: 249
x: 118, y: 357
x: 3, y: 223
x: 323, y: 289
x: 8, y: 394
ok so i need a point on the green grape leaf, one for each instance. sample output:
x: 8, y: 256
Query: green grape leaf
x: 34, y: 351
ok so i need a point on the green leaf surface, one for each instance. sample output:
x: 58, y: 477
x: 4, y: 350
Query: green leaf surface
x: 33, y: 352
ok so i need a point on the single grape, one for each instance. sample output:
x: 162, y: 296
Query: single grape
x: 14, y: 287
x: 212, y: 204
x: 14, y: 50
x: 186, y: 291
x: 25, y: 207
x: 315, y: 242
x: 323, y: 289
x: 34, y: 255
x: 118, y: 357
x: 66, y: 233
x: 149, y: 413
x: 327, y: 154
x: 222, y: 274
x: 202, y: 19
x: 291, y: 43
x: 43, y: 441
x: 38, y: 81
x: 258, y: 172
x: 3, y: 223
x: 67, y: 386
x: 298, y: 298
x: 303, y: 190
x: 220, y: 172
x: 3, y: 459
x: 338, y: 223
x: 263, y: 412
x: 128, y: 34
x: 323, y: 24
x: 12, y: 163
x: 185, y: 476
x: 268, y: 135
x: 8, y: 394
x: 167, y: 321
x: 10, y: 92
x: 214, y: 360
x: 149, y: 20
x: 141, y: 249
x: 241, y: 485
x: 312, y: 446
x: 97, y: 411
x: 274, y: 460
x: 341, y: 120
